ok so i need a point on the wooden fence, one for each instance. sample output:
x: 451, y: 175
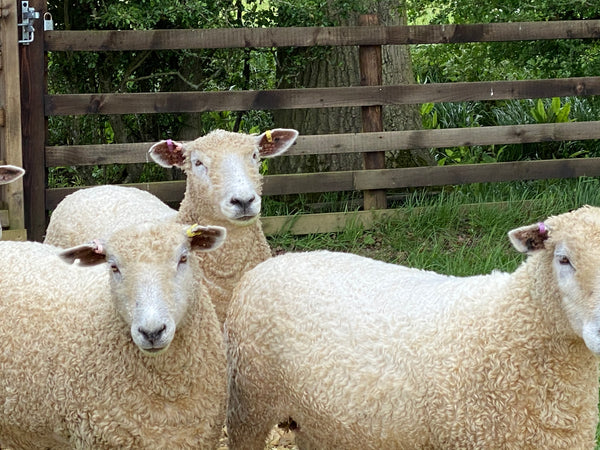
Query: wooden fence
x: 38, y: 156
x: 11, y: 195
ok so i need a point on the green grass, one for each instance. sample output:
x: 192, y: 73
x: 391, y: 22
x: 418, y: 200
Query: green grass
x: 458, y: 232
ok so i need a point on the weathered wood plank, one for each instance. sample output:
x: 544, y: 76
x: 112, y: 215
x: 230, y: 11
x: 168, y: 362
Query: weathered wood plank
x: 324, y: 222
x: 33, y: 69
x: 76, y: 155
x: 171, y: 102
x: 14, y: 235
x: 478, y: 173
x: 334, y: 222
x: 360, y: 180
x: 4, y: 220
x: 371, y: 74
x: 10, y: 104
x: 317, y: 36
x: 167, y: 191
x: 430, y: 176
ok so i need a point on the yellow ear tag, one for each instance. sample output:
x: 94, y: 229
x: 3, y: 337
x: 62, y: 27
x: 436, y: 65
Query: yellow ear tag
x: 191, y: 233
x: 269, y: 136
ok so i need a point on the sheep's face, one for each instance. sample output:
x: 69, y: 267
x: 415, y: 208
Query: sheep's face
x: 223, y: 170
x: 151, y: 279
x: 571, y: 245
x: 229, y: 176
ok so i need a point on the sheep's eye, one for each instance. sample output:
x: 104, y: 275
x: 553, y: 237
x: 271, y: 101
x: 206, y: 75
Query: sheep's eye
x: 198, y: 163
x: 564, y: 261
x: 114, y: 268
x: 183, y: 259
x: 255, y: 156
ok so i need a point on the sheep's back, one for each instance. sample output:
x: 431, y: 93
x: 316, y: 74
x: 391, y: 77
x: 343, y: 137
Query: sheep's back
x: 98, y: 211
x: 358, y: 338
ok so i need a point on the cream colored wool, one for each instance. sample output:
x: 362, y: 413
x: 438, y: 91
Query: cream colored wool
x: 367, y: 355
x: 71, y: 375
x: 223, y: 187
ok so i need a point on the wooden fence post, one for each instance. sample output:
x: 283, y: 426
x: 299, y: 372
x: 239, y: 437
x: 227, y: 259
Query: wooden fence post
x: 370, y: 61
x: 33, y: 124
x: 10, y: 115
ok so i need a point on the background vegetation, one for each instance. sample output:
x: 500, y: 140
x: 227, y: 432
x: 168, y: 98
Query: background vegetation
x: 226, y: 69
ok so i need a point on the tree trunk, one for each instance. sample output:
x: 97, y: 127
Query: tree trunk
x: 339, y: 66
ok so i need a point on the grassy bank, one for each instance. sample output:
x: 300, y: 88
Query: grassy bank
x: 458, y: 232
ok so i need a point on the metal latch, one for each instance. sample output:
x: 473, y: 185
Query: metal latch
x: 28, y: 15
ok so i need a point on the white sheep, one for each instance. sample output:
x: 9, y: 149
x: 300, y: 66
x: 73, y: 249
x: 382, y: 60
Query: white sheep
x: 368, y: 355
x: 224, y: 187
x: 9, y: 174
x: 127, y: 354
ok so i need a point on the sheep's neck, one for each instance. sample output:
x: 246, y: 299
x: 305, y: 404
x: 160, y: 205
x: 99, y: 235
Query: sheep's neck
x: 244, y: 247
x: 198, y: 210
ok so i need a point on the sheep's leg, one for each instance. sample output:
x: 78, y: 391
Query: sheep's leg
x: 248, y: 434
x: 248, y: 423
x: 303, y: 443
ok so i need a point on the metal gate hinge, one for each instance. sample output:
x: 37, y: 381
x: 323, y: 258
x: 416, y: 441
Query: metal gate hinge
x: 28, y: 15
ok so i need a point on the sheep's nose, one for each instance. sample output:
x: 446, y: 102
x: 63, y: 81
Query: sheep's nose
x: 243, y: 204
x: 152, y: 336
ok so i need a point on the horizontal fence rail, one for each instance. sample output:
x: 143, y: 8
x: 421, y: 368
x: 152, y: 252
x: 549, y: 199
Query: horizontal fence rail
x: 170, y: 102
x: 350, y: 96
x: 317, y: 36
x: 85, y: 155
x: 360, y: 180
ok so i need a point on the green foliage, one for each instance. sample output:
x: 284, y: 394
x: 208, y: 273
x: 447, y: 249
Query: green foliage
x: 504, y: 60
x: 554, y: 113
x: 153, y: 71
x: 471, y: 114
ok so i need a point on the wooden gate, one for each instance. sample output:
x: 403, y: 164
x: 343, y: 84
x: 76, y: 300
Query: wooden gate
x: 11, y: 195
x: 37, y: 105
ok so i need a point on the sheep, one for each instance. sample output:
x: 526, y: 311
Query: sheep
x: 363, y: 354
x: 9, y: 174
x: 223, y: 188
x: 127, y: 354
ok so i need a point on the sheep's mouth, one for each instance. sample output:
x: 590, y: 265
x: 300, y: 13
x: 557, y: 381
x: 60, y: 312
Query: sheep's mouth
x: 154, y: 351
x: 244, y: 220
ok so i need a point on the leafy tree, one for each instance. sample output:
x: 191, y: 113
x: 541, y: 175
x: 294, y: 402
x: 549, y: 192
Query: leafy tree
x: 338, y: 66
x: 149, y: 71
x: 505, y: 60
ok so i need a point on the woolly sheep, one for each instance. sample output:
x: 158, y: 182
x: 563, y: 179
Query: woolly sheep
x: 223, y: 188
x: 9, y: 174
x: 368, y: 355
x: 85, y: 362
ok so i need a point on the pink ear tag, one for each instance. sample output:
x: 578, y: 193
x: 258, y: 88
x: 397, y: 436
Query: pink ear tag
x: 99, y: 249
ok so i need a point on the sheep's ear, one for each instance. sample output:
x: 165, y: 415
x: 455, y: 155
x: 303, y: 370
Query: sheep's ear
x: 275, y: 142
x: 529, y: 238
x: 167, y: 153
x: 206, y: 238
x: 10, y: 173
x: 88, y: 254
